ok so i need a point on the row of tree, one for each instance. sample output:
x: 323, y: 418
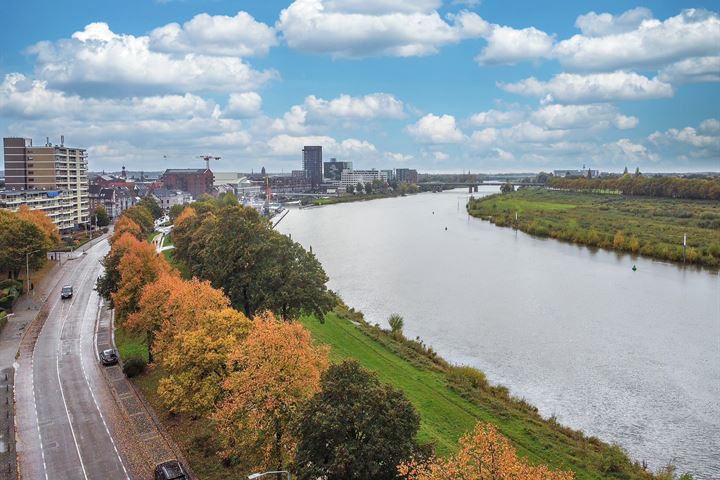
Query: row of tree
x: 672, y: 187
x: 268, y: 389
x: 26, y: 236
x: 381, y: 187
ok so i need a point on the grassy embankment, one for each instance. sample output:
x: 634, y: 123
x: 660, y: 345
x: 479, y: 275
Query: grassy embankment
x: 649, y: 226
x: 450, y: 401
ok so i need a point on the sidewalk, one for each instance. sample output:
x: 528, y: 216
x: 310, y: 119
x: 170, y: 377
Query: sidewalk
x: 25, y: 312
x: 26, y: 319
x: 156, y: 444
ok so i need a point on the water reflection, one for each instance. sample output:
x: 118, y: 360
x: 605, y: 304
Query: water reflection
x: 631, y: 357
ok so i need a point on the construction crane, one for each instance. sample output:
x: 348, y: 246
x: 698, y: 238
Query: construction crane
x: 207, y: 159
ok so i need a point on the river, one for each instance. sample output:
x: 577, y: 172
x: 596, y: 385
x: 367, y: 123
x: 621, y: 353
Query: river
x: 632, y: 357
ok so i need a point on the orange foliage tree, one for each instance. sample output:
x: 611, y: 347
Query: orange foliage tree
x: 126, y: 225
x: 275, y: 372
x: 484, y: 454
x: 43, y: 222
x: 140, y: 265
x: 195, y: 358
x: 172, y: 305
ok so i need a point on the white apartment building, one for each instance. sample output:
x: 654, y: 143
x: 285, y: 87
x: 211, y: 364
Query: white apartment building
x: 352, y: 177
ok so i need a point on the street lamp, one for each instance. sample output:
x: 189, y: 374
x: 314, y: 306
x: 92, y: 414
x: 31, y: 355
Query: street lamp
x: 27, y: 266
x: 253, y: 476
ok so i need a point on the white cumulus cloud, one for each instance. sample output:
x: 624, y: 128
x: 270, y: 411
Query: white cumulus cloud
x: 374, y: 105
x: 507, y: 45
x: 221, y: 35
x: 652, y: 43
x: 436, y: 129
x: 98, y: 62
x: 244, y: 105
x: 597, y: 87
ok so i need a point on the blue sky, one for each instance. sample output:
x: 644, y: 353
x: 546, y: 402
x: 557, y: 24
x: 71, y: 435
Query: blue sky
x: 429, y: 84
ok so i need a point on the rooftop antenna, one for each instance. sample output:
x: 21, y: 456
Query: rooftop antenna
x: 207, y: 159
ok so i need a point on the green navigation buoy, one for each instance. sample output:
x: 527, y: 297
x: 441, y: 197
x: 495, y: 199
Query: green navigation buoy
x: 634, y: 268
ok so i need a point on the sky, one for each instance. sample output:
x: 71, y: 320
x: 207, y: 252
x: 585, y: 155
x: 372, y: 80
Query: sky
x: 441, y: 86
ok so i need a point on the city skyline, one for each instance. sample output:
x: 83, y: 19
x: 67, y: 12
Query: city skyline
x: 437, y: 86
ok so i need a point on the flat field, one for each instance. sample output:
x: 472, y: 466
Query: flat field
x: 644, y: 225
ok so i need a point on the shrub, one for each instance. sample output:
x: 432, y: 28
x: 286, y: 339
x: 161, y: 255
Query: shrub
x: 3, y: 320
x: 396, y: 323
x: 134, y: 367
x: 467, y: 377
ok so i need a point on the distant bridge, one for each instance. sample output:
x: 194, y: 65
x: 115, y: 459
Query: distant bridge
x: 473, y: 187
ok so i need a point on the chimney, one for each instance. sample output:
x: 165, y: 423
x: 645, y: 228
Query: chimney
x: 62, y: 140
x: 47, y: 142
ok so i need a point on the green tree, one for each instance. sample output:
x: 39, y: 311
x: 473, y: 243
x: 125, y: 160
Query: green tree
x: 359, y: 187
x: 350, y: 189
x: 152, y: 206
x: 507, y: 187
x: 141, y: 215
x: 257, y: 267
x: 175, y: 210
x: 101, y: 216
x: 355, y: 427
x: 368, y: 188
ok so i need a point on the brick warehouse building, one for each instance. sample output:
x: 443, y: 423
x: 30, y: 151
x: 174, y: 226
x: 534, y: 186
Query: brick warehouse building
x: 195, y: 181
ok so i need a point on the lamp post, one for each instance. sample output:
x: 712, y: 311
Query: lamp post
x: 253, y: 476
x: 27, y: 266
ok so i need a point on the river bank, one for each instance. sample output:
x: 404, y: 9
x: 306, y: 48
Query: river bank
x: 653, y: 227
x: 624, y: 356
x: 449, y: 399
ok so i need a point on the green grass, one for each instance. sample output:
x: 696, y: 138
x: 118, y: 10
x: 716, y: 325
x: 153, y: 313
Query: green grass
x: 179, y: 266
x: 131, y: 344
x: 650, y: 226
x: 152, y: 235
x: 447, y: 410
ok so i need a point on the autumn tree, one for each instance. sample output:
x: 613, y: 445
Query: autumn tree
x: 41, y: 220
x: 20, y: 239
x: 355, y: 427
x: 275, y: 371
x: 109, y: 281
x: 126, y: 225
x: 195, y: 359
x: 138, y: 266
x: 484, y: 454
x: 172, y: 305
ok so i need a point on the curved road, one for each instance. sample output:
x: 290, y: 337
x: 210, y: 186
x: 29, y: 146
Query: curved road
x: 65, y: 414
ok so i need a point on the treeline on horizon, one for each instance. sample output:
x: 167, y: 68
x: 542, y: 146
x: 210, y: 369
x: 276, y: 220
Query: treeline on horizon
x: 640, y: 185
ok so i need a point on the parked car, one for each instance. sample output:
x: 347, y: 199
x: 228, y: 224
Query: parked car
x: 172, y: 470
x: 108, y: 357
x: 66, y: 292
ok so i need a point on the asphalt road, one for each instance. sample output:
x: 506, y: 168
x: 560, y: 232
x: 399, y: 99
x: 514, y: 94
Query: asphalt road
x: 65, y: 413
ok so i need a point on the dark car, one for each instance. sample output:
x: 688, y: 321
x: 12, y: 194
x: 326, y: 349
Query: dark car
x: 108, y: 357
x: 66, y: 291
x: 172, y: 470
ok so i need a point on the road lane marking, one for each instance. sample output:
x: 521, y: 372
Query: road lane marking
x: 62, y: 391
x: 87, y: 382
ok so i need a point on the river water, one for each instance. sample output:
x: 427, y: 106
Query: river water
x: 630, y: 357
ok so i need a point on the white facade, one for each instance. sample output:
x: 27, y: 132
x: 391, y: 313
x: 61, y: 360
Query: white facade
x: 352, y: 177
x: 59, y: 205
x: 169, y: 198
